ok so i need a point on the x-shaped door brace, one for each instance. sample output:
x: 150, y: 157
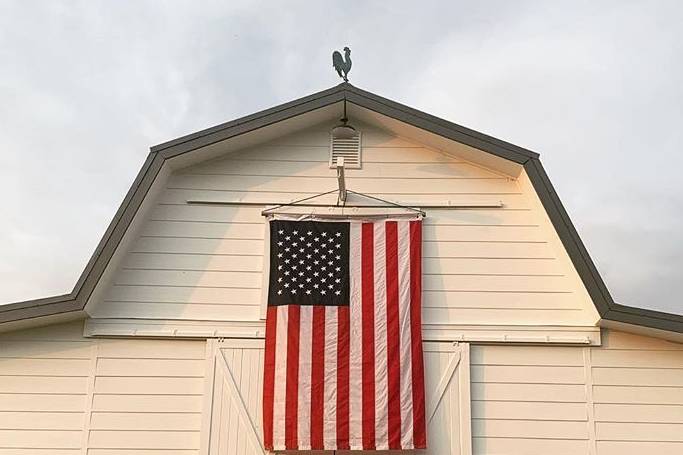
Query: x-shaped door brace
x: 236, y: 398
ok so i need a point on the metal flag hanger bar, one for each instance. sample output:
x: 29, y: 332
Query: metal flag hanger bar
x: 343, y: 192
x: 341, y: 203
x: 445, y: 206
x: 304, y: 202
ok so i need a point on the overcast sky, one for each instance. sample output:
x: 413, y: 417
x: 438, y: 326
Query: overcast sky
x: 595, y: 87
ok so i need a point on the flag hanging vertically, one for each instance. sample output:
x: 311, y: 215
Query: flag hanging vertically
x: 343, y: 364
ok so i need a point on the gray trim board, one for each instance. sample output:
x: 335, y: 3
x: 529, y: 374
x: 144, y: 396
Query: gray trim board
x: 605, y: 305
x: 644, y: 317
x: 568, y: 234
x: 250, y: 123
x: 439, y: 126
x: 600, y: 295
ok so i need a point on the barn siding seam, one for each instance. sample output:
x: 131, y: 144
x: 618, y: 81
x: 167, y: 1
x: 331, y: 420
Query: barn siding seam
x: 87, y: 412
x: 590, y: 406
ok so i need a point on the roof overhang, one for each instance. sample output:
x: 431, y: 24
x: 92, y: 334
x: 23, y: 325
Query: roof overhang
x: 317, y: 108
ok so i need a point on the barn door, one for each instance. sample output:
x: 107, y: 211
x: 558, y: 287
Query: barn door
x: 233, y: 406
x: 232, y: 424
x: 447, y: 389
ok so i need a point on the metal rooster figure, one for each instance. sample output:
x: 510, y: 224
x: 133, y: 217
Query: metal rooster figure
x: 342, y: 65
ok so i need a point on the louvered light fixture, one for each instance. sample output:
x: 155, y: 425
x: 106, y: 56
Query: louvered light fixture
x: 345, y: 143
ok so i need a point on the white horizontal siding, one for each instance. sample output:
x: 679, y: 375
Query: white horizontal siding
x: 43, y: 390
x: 638, y: 448
x: 481, y: 266
x: 393, y: 185
x: 132, y: 441
x: 638, y: 395
x: 528, y: 400
x: 172, y: 196
x: 528, y: 446
x: 370, y: 170
x: 534, y: 400
x: 484, y: 217
x: 146, y: 395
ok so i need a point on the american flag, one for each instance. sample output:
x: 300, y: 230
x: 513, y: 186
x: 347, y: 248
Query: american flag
x: 343, y: 350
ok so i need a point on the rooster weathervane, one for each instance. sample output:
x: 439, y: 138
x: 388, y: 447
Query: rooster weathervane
x: 342, y: 65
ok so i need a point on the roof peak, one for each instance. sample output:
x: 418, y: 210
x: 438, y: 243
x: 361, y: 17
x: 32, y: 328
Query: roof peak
x: 352, y: 94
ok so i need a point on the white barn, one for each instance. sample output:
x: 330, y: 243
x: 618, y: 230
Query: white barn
x: 159, y: 347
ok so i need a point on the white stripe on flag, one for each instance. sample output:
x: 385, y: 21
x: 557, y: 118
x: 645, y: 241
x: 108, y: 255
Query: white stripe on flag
x: 304, y: 401
x: 381, y: 365
x: 330, y: 408
x: 355, y: 346
x: 280, y: 378
x: 404, y: 330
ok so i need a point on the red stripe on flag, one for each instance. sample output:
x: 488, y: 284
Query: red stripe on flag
x: 343, y: 330
x: 317, y: 377
x: 393, y: 337
x: 292, y: 386
x: 368, y: 334
x: 419, y: 432
x: 269, y: 377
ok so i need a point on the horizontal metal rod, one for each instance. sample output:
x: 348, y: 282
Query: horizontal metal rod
x: 374, y: 206
x: 348, y: 216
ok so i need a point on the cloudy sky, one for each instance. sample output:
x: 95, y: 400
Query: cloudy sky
x: 595, y: 87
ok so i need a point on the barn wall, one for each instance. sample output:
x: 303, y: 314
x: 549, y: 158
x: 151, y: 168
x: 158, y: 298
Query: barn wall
x: 60, y: 392
x: 623, y: 398
x: 147, y: 397
x: 482, y: 266
x: 529, y: 400
x: 638, y: 395
x: 44, y: 379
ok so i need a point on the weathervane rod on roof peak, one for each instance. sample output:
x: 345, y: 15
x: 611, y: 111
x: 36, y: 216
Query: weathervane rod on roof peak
x: 342, y: 65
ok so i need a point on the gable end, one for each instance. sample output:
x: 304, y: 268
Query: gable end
x: 75, y: 301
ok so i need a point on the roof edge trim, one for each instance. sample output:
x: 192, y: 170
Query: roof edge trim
x: 77, y: 298
x: 440, y: 126
x: 591, y: 278
x: 218, y: 133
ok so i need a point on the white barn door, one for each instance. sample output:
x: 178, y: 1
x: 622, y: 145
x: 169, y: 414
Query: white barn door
x: 232, y: 414
x: 447, y: 391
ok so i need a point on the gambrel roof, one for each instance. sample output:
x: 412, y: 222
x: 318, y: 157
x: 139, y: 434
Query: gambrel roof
x: 73, y: 304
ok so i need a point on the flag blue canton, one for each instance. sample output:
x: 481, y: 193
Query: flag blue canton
x: 309, y: 263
